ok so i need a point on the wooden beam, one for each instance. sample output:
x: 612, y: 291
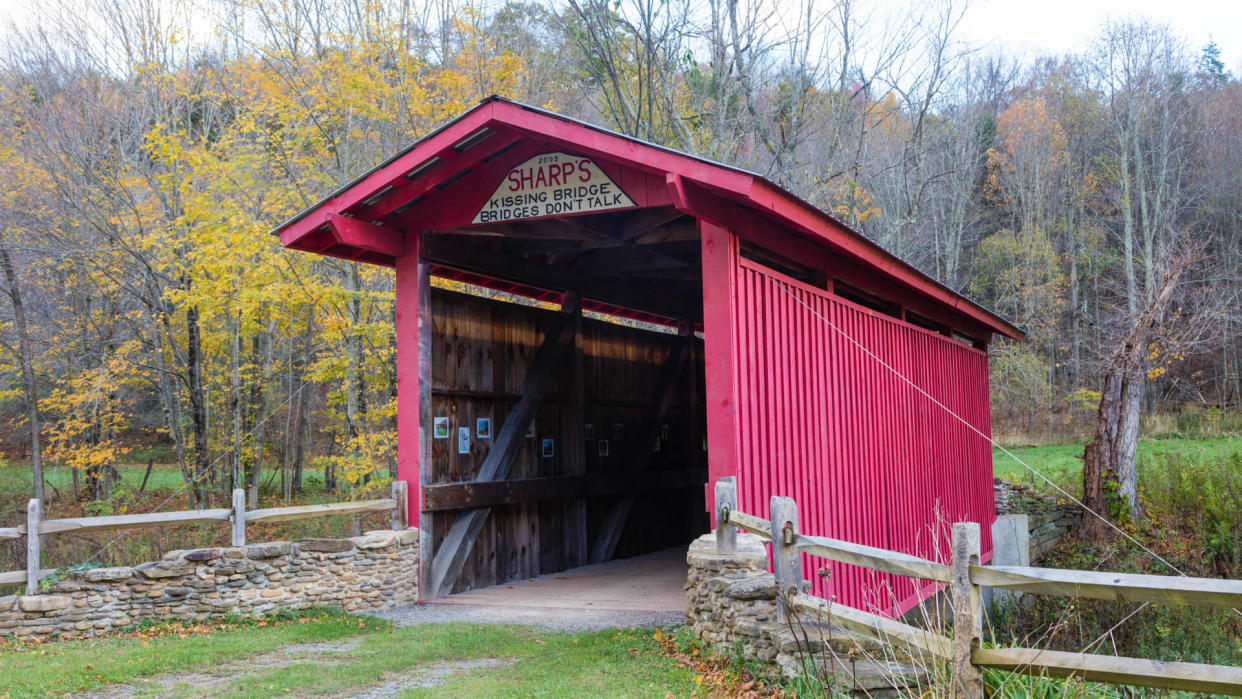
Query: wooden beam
x: 305, y: 225
x: 458, y: 542
x: 366, y: 236
x: 1123, y: 587
x: 77, y: 525
x: 777, y: 239
x: 574, y: 429
x: 1189, y: 677
x: 473, y: 258
x: 331, y: 509
x: 719, y: 250
x: 639, y: 455
x: 874, y: 558
x: 920, y: 642
x: 451, y: 161
x: 474, y: 494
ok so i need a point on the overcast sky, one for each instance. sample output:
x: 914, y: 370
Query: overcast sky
x: 1065, y: 26
x: 1027, y: 27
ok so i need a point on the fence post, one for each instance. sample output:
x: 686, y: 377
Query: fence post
x: 726, y: 502
x: 967, y: 611
x: 34, y: 514
x: 239, y: 517
x: 786, y: 561
x: 400, y: 493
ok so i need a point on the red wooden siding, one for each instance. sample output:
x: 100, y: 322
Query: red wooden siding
x: 866, y: 457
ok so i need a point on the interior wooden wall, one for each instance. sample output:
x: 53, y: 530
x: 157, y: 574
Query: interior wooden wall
x: 481, y: 351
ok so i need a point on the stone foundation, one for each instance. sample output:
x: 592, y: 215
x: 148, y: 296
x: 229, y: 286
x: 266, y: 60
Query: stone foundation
x: 1050, y: 517
x: 731, y: 606
x: 364, y: 573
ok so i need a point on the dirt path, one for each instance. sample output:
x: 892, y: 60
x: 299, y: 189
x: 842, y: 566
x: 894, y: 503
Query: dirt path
x: 212, y: 683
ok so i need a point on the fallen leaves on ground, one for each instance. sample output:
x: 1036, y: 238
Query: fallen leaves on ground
x: 713, y: 675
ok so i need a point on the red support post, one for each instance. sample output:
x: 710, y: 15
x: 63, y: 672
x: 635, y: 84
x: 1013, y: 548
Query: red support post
x: 720, y: 254
x: 409, y: 288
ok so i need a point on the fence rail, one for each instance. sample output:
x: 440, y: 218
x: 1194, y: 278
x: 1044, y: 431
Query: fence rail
x: 238, y: 515
x: 964, y: 578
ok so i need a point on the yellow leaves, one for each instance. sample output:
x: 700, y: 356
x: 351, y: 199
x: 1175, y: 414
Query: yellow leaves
x: 851, y: 203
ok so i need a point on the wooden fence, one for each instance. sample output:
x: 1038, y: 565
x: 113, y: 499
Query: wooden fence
x: 964, y: 577
x: 37, y: 527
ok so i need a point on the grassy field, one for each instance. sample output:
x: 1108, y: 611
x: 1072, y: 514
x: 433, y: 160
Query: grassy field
x: 330, y: 653
x: 1063, y: 463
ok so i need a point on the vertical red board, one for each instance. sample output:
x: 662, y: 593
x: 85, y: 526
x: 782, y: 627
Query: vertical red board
x: 408, y: 360
x: 867, y: 457
x: 720, y: 366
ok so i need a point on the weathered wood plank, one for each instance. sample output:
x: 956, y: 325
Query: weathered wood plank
x: 751, y: 523
x: 1190, y: 677
x: 284, y: 514
x: 725, y: 502
x: 10, y: 533
x: 639, y: 455
x: 400, y: 494
x: 447, y: 565
x: 458, y: 496
x: 426, y: 441
x: 967, y: 611
x: 917, y: 641
x: 1128, y: 587
x: 14, y: 577
x: 150, y: 519
x: 786, y: 561
x: 239, y: 517
x: 874, y: 558
x: 34, y: 513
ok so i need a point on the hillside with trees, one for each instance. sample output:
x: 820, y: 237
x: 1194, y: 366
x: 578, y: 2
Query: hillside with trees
x: 149, y: 148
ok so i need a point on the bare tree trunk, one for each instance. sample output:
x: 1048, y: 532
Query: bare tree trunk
x: 29, y: 386
x: 198, y: 402
x: 1109, y: 460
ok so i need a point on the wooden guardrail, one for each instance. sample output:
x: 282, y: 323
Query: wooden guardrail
x: 36, y: 527
x: 965, y: 577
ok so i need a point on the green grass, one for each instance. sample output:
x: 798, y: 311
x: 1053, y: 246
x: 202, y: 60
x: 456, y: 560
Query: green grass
x: 245, y: 660
x: 1062, y: 463
x: 78, y: 666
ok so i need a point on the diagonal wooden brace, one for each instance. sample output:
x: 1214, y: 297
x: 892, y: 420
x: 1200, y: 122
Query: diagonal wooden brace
x: 447, y: 566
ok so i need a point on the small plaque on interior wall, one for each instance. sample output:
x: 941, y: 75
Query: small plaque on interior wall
x: 588, y: 431
x: 548, y: 449
x: 530, y: 431
x: 463, y: 440
x: 618, y: 431
x: 441, y: 428
x: 603, y: 447
x: 483, y: 428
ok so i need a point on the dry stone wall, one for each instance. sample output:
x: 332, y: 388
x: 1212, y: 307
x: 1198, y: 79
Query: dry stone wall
x: 363, y: 573
x: 731, y: 606
x: 1049, y: 517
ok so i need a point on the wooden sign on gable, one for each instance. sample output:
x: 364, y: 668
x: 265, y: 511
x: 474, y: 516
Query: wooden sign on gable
x: 552, y: 184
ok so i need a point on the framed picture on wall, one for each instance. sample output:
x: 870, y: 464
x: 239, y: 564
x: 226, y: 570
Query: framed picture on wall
x: 548, y: 448
x: 440, y: 428
x: 603, y: 447
x: 463, y: 440
x: 483, y: 428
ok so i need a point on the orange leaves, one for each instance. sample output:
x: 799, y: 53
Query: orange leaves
x: 714, y: 677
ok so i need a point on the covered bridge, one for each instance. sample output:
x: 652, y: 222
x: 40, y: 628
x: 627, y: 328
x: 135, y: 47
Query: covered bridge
x: 769, y: 343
